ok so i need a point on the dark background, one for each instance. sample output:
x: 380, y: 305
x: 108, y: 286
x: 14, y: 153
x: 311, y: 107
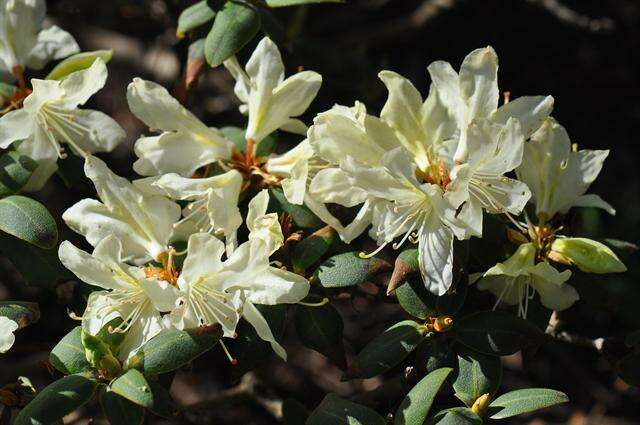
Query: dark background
x: 588, y: 62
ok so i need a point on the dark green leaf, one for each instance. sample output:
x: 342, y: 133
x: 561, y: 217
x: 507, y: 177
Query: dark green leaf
x: 496, y: 333
x: 284, y: 3
x: 523, y: 401
x: 416, y: 405
x: 78, y: 62
x: 15, y: 171
x: 455, y: 416
x: 629, y: 369
x: 28, y: 220
x: 57, y: 400
x: 451, y: 303
x: 119, y: 410
x: 337, y: 411
x: 294, y: 412
x: 37, y: 266
x: 248, y: 348
x: 300, y: 214
x: 320, y: 328
x: 68, y: 355
x: 434, y: 352
x: 194, y: 16
x: 416, y: 300
x: 112, y: 339
x: 349, y: 269
x: 234, y: 26
x: 163, y: 404
x: 23, y: 313
x: 477, y: 374
x: 405, y: 267
x: 309, y: 250
x: 134, y: 387
x: 386, y: 350
x: 171, y: 350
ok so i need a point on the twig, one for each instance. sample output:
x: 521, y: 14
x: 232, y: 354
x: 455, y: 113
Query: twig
x: 571, y: 17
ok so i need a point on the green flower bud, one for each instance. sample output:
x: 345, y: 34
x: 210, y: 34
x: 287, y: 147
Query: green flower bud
x: 99, y: 355
x: 589, y: 255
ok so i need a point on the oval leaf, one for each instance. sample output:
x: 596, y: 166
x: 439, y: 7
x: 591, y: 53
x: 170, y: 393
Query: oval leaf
x: 15, y: 171
x: 320, y: 328
x: 119, y: 410
x: 78, y: 62
x: 28, y: 220
x: 416, y: 405
x: 57, y: 400
x: 349, y: 269
x: 496, y: 333
x: 477, y: 374
x: 23, y: 313
x: 234, y: 26
x: 68, y: 355
x: 194, y: 16
x: 134, y: 387
x: 301, y: 215
x: 171, y: 350
x: 337, y: 411
x: 434, y: 352
x: 523, y: 401
x: 309, y: 250
x: 386, y: 350
x: 455, y: 416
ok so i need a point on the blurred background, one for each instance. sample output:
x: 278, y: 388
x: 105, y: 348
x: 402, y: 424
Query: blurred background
x: 583, y: 52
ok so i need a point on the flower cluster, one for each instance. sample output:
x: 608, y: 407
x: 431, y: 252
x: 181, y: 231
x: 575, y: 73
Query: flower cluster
x: 425, y: 171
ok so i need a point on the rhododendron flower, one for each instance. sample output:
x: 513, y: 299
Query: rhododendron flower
x: 7, y: 338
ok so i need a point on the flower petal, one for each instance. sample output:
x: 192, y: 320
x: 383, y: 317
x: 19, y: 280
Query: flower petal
x: 52, y: 43
x: 79, y: 86
x: 259, y: 323
x: 7, y: 338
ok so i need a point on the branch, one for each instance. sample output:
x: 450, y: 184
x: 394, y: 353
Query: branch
x: 571, y: 17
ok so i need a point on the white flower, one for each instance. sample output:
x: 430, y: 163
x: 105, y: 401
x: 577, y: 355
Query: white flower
x: 271, y: 101
x: 50, y: 116
x: 213, y: 202
x: 514, y: 281
x: 129, y: 293
x: 219, y: 291
x: 185, y: 143
x: 473, y: 93
x: 382, y: 171
x: 7, y: 338
x: 263, y: 226
x: 142, y: 222
x: 494, y: 150
x: 558, y: 174
x: 23, y: 43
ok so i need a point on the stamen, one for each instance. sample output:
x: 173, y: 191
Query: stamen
x: 226, y: 351
x: 324, y: 301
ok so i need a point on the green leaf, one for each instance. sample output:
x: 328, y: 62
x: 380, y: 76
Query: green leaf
x: 629, y: 369
x: 119, y: 410
x: 386, y: 350
x: 309, y: 250
x: 348, y: 269
x: 163, y: 404
x: 78, y: 62
x: 112, y: 339
x: 301, y: 215
x: 134, y: 387
x: 57, y: 400
x: 523, y: 401
x: 477, y: 374
x: 15, y: 171
x: 236, y: 135
x: 22, y: 312
x: 416, y: 300
x: 28, y: 220
x: 496, y: 333
x: 294, y: 412
x: 194, y: 16
x: 37, y: 266
x: 416, y: 405
x: 234, y: 26
x: 455, y: 416
x: 171, y: 350
x: 7, y: 90
x: 337, y: 411
x: 248, y: 348
x: 284, y: 3
x: 320, y: 328
x: 434, y: 352
x: 68, y: 355
x: 406, y: 266
x: 590, y: 256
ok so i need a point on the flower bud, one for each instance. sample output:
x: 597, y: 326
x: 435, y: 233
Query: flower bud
x: 589, y: 255
x: 99, y: 355
x: 481, y: 404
